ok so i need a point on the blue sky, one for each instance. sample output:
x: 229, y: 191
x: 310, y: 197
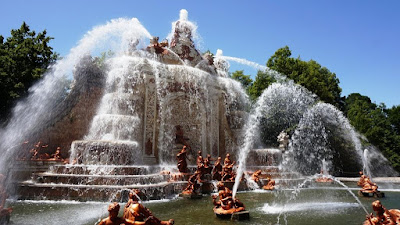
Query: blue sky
x: 358, y: 40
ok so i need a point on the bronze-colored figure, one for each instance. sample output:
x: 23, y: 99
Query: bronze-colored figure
x: 157, y: 47
x: 226, y: 204
x: 207, y: 164
x: 113, y: 219
x: 217, y: 171
x: 5, y: 213
x: 35, y: 150
x: 57, y: 154
x: 134, y: 211
x: 383, y: 216
x: 199, y: 159
x: 193, y: 184
x: 360, y: 182
x: 227, y: 169
x: 369, y: 186
x: 270, y: 185
x: 323, y: 179
x: 256, y: 176
x: 182, y: 164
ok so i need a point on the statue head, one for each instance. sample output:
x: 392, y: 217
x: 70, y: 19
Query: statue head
x: 113, y: 209
x: 377, y: 206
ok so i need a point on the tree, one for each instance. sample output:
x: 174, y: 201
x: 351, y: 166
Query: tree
x: 311, y: 75
x: 24, y: 57
x: 377, y: 124
x: 394, y: 118
x: 245, y: 80
x: 261, y: 82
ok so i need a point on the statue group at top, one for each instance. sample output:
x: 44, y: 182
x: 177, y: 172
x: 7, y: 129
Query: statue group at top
x: 182, y: 49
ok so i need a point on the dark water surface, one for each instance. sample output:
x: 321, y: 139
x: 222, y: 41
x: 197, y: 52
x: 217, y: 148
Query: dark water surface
x: 314, y: 205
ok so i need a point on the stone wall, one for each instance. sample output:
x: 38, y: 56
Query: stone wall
x: 72, y: 117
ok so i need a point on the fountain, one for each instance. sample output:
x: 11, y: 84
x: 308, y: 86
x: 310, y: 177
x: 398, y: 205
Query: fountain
x: 124, y: 118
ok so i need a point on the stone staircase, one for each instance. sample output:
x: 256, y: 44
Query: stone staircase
x: 99, y: 183
x: 55, y: 181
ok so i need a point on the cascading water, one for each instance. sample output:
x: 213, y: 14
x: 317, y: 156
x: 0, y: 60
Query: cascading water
x: 281, y: 100
x: 322, y: 130
x: 30, y: 115
x: 179, y: 88
x: 279, y: 77
x: 377, y: 164
x: 149, y: 91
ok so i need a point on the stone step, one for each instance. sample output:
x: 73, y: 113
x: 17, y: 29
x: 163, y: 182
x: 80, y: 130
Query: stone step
x: 277, y: 175
x: 99, y: 179
x: 264, y: 169
x: 37, y: 191
x: 105, y: 169
x: 288, y: 183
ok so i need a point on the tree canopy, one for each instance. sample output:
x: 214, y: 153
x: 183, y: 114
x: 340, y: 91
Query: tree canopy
x: 309, y: 74
x: 377, y: 123
x: 24, y: 57
x: 380, y: 125
x: 245, y: 80
x: 261, y: 82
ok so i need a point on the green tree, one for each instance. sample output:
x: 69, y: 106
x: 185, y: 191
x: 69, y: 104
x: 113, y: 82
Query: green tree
x: 376, y: 124
x: 261, y: 82
x: 394, y: 118
x: 24, y: 57
x: 245, y: 80
x: 310, y: 75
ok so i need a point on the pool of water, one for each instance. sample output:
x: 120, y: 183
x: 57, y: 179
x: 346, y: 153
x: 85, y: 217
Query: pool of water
x: 323, y: 204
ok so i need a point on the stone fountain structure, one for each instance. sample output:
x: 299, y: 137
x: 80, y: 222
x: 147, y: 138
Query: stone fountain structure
x: 125, y: 119
x: 131, y: 118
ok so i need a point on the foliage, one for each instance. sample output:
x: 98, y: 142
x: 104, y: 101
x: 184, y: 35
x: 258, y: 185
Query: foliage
x: 261, y: 82
x: 24, y: 57
x: 245, y: 80
x: 394, y: 118
x: 381, y: 126
x: 310, y: 75
x: 377, y: 123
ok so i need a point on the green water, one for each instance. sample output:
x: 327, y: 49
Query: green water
x: 321, y: 205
